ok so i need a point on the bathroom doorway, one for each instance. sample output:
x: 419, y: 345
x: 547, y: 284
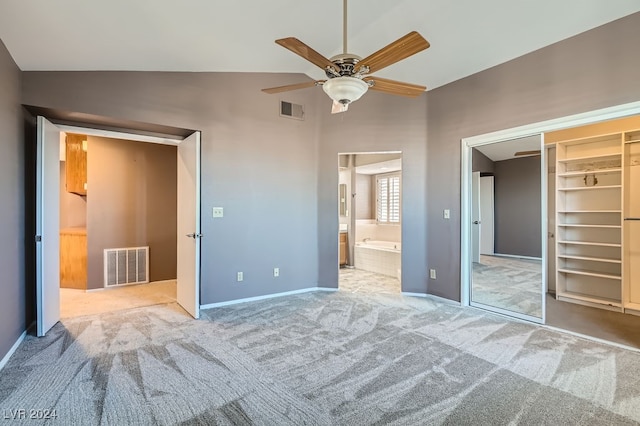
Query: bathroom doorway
x: 370, y: 222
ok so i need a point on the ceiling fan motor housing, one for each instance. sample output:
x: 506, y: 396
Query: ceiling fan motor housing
x: 346, y: 63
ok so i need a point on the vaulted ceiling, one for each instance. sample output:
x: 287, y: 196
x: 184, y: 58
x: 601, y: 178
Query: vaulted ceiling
x: 466, y: 36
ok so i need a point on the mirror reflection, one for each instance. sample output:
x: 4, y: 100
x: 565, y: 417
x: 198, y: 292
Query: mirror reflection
x: 506, y: 226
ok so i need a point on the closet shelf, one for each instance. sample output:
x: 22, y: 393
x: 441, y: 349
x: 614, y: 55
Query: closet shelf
x: 589, y: 273
x: 590, y: 243
x: 583, y: 188
x: 591, y: 299
x: 632, y: 141
x: 590, y: 157
x: 590, y: 259
x: 580, y: 225
x: 591, y: 172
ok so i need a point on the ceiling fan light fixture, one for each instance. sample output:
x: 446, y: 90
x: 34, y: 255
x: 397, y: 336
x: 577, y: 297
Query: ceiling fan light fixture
x: 345, y: 89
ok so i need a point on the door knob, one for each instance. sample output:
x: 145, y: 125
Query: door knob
x: 476, y: 222
x: 194, y: 236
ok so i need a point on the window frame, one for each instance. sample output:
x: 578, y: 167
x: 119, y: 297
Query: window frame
x: 389, y: 197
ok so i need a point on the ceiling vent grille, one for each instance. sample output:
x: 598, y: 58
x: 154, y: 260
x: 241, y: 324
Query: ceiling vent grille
x: 290, y: 110
x: 125, y: 266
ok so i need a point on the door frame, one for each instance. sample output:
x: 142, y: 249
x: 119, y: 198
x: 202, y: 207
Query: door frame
x: 594, y: 116
x: 124, y: 135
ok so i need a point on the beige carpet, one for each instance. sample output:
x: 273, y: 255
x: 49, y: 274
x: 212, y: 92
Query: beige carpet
x: 77, y: 303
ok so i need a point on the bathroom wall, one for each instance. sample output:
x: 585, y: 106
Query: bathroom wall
x: 365, y: 197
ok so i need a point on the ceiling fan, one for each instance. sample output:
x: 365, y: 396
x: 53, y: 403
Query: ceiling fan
x: 527, y: 153
x: 348, y: 75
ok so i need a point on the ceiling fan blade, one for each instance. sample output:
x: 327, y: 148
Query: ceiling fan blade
x: 395, y: 87
x: 289, y: 87
x: 525, y: 153
x: 400, y: 49
x: 301, y: 49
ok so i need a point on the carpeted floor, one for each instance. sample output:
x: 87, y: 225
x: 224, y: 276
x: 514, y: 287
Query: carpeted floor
x: 319, y: 358
x: 508, y: 283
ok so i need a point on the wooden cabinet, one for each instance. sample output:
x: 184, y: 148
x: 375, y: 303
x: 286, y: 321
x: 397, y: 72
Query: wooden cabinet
x: 76, y: 164
x: 343, y: 249
x: 73, y: 258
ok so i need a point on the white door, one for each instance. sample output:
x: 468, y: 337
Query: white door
x: 188, y: 263
x: 47, y: 226
x: 486, y: 213
x: 475, y: 217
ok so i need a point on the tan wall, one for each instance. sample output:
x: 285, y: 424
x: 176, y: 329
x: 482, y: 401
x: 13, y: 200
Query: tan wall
x: 73, y: 207
x: 131, y: 202
x: 606, y: 127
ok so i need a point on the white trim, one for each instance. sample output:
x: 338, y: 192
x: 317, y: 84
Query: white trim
x: 514, y: 256
x: 507, y: 313
x: 266, y: 296
x: 604, y: 114
x: 15, y: 346
x: 431, y: 296
x: 119, y: 135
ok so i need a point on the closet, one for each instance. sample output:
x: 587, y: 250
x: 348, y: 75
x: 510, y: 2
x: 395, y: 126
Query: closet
x: 598, y: 220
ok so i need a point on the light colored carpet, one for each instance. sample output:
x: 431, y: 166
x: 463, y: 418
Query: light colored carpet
x: 320, y: 358
x: 508, y: 283
x: 359, y: 281
x: 75, y: 303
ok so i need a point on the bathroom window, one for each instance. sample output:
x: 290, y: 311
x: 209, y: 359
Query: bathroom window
x: 388, y: 198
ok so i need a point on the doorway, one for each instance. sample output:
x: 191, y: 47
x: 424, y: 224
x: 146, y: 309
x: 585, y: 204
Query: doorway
x: 506, y: 223
x: 370, y: 222
x: 599, y: 322
x: 47, y: 217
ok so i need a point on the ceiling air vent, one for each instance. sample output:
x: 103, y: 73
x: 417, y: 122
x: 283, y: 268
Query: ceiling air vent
x: 289, y: 110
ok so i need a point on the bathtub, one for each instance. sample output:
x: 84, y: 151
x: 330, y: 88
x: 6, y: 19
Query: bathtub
x: 382, y: 257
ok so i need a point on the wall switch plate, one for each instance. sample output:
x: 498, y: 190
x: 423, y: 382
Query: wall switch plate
x: 218, y: 212
x: 432, y: 274
x: 240, y: 276
x: 447, y: 213
x: 276, y: 272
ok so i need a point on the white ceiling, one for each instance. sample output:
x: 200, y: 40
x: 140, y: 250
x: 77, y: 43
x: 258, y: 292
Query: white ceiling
x: 466, y: 36
x: 506, y: 150
x: 382, y: 167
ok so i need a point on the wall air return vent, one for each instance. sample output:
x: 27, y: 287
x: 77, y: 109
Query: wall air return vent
x: 125, y: 266
x: 289, y: 110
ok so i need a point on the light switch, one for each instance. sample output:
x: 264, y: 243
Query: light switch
x: 218, y: 212
x: 447, y: 214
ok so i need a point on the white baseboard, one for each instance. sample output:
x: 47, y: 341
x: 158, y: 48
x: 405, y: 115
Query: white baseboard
x: 4, y: 360
x: 266, y: 296
x: 431, y: 296
x: 515, y: 256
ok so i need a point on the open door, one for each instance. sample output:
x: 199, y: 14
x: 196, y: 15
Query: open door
x: 47, y: 226
x: 475, y: 217
x: 487, y: 215
x: 188, y: 263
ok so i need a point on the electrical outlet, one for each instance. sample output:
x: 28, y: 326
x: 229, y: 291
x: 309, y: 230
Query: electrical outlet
x: 218, y: 212
x: 240, y: 277
x: 432, y: 274
x: 276, y: 272
x: 447, y: 214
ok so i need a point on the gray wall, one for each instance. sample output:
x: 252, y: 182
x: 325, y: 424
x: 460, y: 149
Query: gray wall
x: 593, y: 70
x: 131, y: 202
x: 365, y: 197
x: 260, y: 167
x: 517, y: 197
x: 13, y: 310
x: 480, y: 162
x: 376, y: 123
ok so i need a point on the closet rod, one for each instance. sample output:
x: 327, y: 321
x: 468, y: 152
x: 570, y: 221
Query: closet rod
x: 632, y: 218
x: 633, y: 141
